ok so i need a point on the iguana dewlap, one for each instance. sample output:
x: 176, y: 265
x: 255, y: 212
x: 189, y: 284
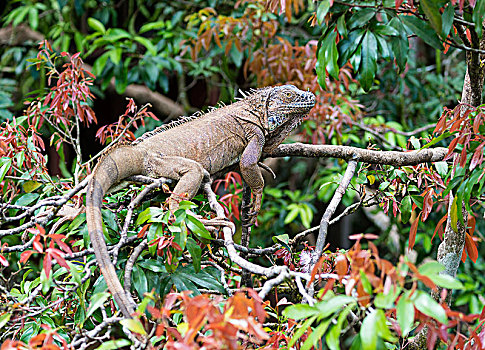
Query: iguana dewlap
x: 187, y: 151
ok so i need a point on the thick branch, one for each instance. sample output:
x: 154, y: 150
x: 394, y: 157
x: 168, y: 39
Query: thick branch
x: 360, y: 155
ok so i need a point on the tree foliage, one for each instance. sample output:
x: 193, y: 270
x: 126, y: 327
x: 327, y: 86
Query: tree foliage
x: 387, y: 76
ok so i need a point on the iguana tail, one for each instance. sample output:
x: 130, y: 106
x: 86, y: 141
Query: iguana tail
x: 121, y: 162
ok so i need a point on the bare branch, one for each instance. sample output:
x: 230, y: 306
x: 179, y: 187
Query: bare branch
x: 360, y: 155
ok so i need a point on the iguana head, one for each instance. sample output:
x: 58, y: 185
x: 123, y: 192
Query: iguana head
x: 286, y: 106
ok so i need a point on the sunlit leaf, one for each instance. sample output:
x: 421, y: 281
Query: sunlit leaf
x: 97, y: 300
x: 134, y: 325
x: 428, y: 306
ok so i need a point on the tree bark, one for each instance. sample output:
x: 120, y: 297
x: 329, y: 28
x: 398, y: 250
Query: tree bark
x: 451, y: 248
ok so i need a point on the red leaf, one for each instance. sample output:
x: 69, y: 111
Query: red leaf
x: 477, y: 156
x: 463, y: 255
x: 47, y: 264
x: 141, y: 234
x: 37, y: 245
x: 412, y: 233
x: 341, y: 265
x: 451, y: 148
x: 427, y: 205
x: 3, y: 261
x: 471, y: 248
x: 471, y: 224
x: 25, y: 255
x: 440, y: 224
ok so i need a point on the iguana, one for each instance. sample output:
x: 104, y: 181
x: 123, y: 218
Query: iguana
x: 194, y: 148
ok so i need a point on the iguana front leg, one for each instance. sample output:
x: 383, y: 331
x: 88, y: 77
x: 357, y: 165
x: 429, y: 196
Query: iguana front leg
x: 251, y: 173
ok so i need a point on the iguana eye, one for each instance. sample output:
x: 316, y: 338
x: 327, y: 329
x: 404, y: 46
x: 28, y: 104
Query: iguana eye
x: 288, y: 94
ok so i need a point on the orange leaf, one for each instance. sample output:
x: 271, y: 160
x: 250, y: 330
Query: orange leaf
x: 471, y: 224
x: 141, y: 234
x: 463, y: 255
x: 341, y: 265
x: 471, y: 248
x: 412, y: 233
x: 440, y: 224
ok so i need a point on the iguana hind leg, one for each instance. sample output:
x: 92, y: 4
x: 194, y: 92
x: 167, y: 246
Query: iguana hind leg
x: 187, y: 172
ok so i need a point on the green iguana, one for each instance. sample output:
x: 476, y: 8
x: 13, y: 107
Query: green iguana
x: 194, y: 148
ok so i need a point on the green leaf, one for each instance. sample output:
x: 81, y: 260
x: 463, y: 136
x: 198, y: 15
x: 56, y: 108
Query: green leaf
x: 405, y: 315
x: 97, y: 300
x: 33, y: 18
x: 151, y: 26
x: 134, y: 325
x: 202, y: 279
x: 140, y: 281
x: 115, y: 55
x: 374, y: 325
x: 361, y: 18
x: 195, y: 252
x: 382, y: 327
x: 300, y: 311
x: 328, y: 306
x: 4, y: 319
x: 333, y: 334
x: 423, y: 30
x: 406, y: 206
x: 477, y: 16
x: 368, y: 332
x: 441, y: 168
x: 447, y: 20
x: 431, y: 268
x: 316, y: 335
x: 114, y: 344
x: 368, y: 65
x: 182, y: 283
x: 365, y: 282
x: 31, y: 186
x: 322, y: 11
x: 6, y: 164
x: 446, y: 281
x: 96, y: 25
x: 386, y: 301
x: 432, y: 11
x: 297, y: 335
x: 435, y: 140
x: 428, y: 306
x: 196, y: 227
x: 27, y: 199
x: 341, y: 27
x: 116, y: 34
x: 320, y: 68
x: 109, y: 218
x: 400, y: 44
x: 384, y: 29
x: 152, y: 265
x: 331, y: 56
x: 100, y: 63
x: 454, y: 215
x: 147, y: 43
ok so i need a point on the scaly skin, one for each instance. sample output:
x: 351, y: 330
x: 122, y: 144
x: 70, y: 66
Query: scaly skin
x: 234, y: 135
